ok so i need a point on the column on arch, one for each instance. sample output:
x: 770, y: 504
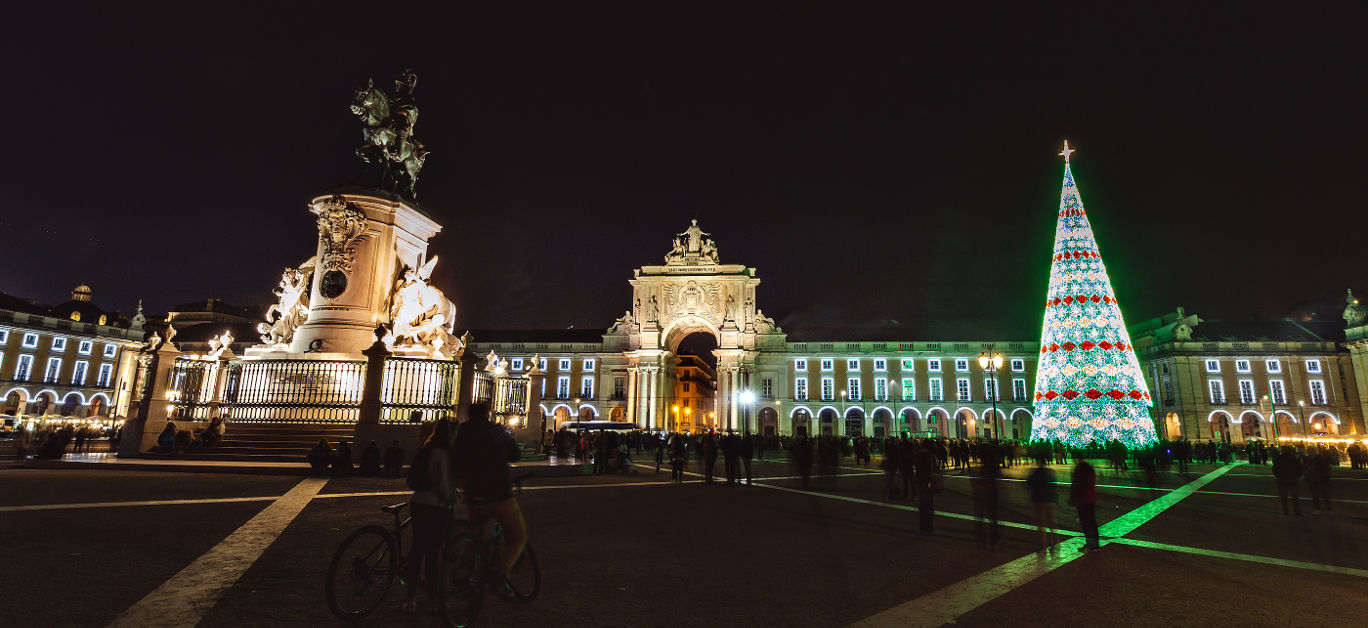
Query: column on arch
x: 652, y: 388
x: 631, y: 396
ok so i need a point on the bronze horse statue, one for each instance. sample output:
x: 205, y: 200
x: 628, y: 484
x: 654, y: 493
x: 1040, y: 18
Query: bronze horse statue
x: 388, y: 133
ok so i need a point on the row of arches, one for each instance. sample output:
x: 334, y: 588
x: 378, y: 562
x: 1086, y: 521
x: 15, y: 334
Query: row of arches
x: 1254, y: 425
x: 19, y: 400
x: 829, y: 421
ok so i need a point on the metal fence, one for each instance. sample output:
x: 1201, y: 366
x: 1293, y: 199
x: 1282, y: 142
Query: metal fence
x: 191, y: 389
x: 293, y: 391
x: 418, y: 390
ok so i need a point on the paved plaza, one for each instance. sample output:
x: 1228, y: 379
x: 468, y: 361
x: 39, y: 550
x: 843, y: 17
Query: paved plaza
x: 94, y: 547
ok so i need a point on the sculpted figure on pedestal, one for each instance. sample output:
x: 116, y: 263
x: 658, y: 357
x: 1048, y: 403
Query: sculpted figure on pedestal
x: 625, y: 323
x: 290, y: 310
x: 219, y: 344
x: 1353, y: 312
x: 421, y: 316
x: 765, y: 324
x: 388, y: 132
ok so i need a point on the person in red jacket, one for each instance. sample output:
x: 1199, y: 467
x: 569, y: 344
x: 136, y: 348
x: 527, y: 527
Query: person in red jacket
x: 1083, y: 495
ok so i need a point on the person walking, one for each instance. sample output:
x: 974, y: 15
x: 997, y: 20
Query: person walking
x: 985, y: 485
x: 1083, y: 496
x: 1287, y: 469
x: 928, y: 484
x: 1044, y: 498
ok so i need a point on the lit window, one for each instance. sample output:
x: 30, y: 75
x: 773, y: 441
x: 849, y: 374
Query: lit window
x: 589, y: 364
x: 1018, y: 389
x: 1213, y: 366
x: 85, y: 347
x: 541, y: 364
x: 909, y: 365
x: 1217, y: 391
x: 1275, y: 387
x: 684, y: 386
x: 619, y: 388
x: 54, y: 366
x: 1273, y: 366
x: 110, y: 350
x: 587, y: 388
x: 24, y: 368
x: 990, y: 389
x: 563, y: 387
x: 103, y: 320
x: 76, y: 316
x: 853, y: 388
x: 800, y: 365
x: 909, y: 386
x: 767, y: 388
x: 1247, y: 392
x: 800, y: 389
x: 1313, y: 366
x: 563, y: 364
x: 1018, y: 365
x: 828, y: 364
x: 106, y: 371
x: 78, y: 374
x: 961, y: 364
x: 881, y: 389
x: 936, y: 393
x: 1242, y: 366
x: 828, y: 389
x: 852, y: 365
x: 933, y: 365
x: 4, y: 336
x: 516, y: 364
x: 1317, y: 391
x: 59, y: 344
x: 880, y: 365
x: 962, y: 389
x: 30, y: 341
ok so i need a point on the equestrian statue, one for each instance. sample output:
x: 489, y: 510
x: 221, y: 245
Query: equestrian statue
x: 388, y: 133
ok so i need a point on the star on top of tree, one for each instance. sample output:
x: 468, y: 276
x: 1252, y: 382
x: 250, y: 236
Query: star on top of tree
x: 1066, y: 152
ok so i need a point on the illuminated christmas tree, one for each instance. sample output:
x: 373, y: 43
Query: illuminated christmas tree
x: 1089, y: 387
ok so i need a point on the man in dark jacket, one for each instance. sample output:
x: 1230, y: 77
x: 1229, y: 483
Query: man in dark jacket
x: 481, y: 455
x: 1287, y: 469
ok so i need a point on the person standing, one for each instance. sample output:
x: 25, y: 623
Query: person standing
x: 1318, y: 477
x: 677, y: 458
x: 748, y: 452
x: 1083, y: 495
x: 1287, y: 469
x: 928, y: 484
x: 1044, y: 497
x: 434, y: 496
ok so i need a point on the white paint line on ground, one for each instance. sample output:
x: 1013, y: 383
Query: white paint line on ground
x: 939, y: 513
x: 943, y: 606
x: 1127, y: 523
x: 163, y: 502
x: 1263, y: 560
x: 182, y: 600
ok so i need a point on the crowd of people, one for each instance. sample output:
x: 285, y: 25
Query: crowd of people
x: 338, y: 461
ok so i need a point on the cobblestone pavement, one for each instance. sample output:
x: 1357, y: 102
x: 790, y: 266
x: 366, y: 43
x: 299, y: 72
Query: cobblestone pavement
x: 1211, y: 547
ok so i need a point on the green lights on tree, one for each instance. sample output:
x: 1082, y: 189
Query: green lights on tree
x: 1089, y: 387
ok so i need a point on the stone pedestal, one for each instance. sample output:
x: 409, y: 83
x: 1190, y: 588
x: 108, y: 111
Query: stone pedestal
x: 140, y: 433
x: 364, y: 242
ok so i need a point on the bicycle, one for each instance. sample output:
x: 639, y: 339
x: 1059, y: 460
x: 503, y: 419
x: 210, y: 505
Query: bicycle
x: 468, y: 567
x: 364, y: 566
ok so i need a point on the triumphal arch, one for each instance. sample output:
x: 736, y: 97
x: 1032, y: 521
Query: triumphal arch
x: 692, y: 292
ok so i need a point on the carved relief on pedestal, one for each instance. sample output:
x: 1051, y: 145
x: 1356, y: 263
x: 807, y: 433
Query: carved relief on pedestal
x: 340, y: 228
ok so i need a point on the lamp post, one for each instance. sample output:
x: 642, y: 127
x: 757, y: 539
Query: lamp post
x: 676, y: 417
x: 844, y: 409
x: 992, y: 364
x: 747, y: 398
x: 1301, y: 412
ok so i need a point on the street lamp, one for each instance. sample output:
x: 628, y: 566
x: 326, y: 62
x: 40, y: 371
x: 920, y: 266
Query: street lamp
x: 1301, y: 412
x: 992, y: 364
x: 676, y: 417
x: 747, y: 397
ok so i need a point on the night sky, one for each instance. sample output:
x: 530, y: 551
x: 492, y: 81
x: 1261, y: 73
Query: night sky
x: 879, y: 170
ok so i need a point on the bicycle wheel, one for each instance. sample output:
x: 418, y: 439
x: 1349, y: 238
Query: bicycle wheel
x: 361, y: 572
x: 462, y: 591
x: 525, y: 577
